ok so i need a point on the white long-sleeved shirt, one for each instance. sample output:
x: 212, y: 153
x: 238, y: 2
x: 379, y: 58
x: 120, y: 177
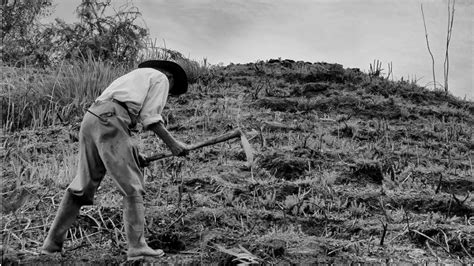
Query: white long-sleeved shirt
x: 144, y: 91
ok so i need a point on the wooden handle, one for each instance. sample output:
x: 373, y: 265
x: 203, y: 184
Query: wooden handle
x: 229, y: 135
x: 158, y: 156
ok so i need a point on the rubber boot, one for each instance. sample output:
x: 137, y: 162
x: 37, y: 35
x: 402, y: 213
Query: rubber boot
x: 66, y: 215
x: 134, y: 221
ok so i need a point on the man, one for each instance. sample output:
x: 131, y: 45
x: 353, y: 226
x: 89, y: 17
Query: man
x: 106, y: 146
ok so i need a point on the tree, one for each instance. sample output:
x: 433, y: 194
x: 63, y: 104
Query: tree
x: 114, y: 37
x: 101, y: 33
x: 21, y: 33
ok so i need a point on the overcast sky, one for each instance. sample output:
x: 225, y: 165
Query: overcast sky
x: 349, y: 32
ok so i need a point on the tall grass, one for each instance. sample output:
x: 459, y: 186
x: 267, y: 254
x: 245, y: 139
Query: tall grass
x: 36, y: 97
x: 33, y: 98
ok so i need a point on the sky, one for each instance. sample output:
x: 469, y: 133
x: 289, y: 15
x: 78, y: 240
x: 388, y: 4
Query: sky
x: 353, y: 33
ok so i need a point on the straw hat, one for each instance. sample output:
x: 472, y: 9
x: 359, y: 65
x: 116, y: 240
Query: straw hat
x: 179, y: 75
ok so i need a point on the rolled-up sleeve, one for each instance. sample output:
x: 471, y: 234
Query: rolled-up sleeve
x: 155, y: 101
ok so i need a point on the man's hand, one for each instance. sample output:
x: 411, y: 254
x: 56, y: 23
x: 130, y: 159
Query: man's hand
x: 179, y: 149
x: 142, y: 162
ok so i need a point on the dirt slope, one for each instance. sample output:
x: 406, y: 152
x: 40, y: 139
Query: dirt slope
x: 350, y: 167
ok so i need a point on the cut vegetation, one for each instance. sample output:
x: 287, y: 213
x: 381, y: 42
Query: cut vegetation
x: 349, y: 167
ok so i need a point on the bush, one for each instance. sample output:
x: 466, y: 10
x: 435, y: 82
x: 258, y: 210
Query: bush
x: 26, y: 42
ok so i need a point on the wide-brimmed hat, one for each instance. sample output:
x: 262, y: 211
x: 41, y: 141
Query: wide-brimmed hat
x: 179, y: 75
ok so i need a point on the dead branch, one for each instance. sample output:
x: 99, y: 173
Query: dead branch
x: 431, y: 239
x: 428, y: 46
x: 390, y: 70
x: 384, y: 232
x: 448, y: 39
x: 431, y: 250
x: 407, y: 221
x: 439, y: 183
x: 465, y: 250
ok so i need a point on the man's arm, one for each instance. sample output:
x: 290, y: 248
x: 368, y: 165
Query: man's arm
x: 177, y: 148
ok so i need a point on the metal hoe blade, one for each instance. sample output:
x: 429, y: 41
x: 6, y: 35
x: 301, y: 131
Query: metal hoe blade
x: 247, y: 149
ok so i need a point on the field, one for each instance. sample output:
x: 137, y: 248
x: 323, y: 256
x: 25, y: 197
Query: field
x: 349, y: 167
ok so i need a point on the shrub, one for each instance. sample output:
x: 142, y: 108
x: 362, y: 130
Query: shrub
x: 27, y: 42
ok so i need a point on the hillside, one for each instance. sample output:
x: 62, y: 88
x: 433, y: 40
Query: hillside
x: 350, y: 167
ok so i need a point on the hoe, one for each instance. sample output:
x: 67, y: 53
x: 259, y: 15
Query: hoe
x: 227, y: 136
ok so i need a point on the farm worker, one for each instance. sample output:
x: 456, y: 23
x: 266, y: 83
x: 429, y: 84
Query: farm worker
x: 105, y: 146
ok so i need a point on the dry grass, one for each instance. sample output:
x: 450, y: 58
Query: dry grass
x: 38, y: 98
x: 330, y: 181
